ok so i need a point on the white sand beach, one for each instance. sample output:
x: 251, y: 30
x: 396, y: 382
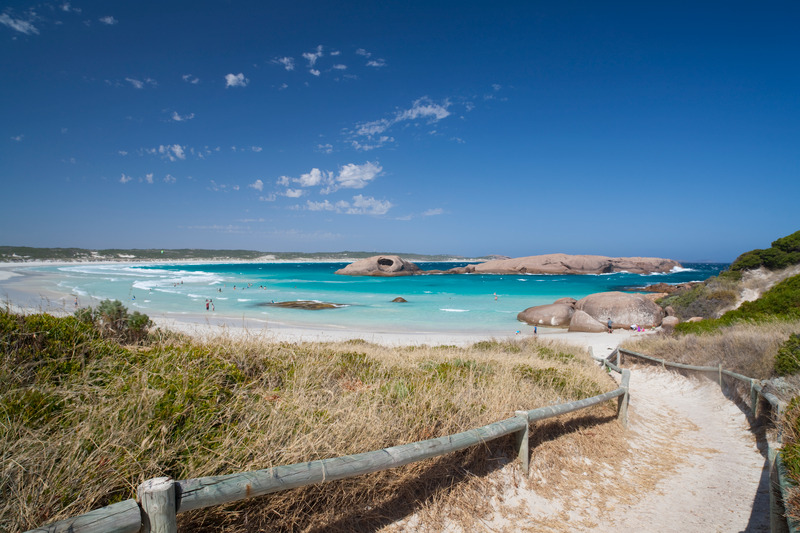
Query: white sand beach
x: 21, y: 292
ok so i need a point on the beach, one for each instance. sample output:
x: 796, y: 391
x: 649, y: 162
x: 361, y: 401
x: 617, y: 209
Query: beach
x: 22, y: 290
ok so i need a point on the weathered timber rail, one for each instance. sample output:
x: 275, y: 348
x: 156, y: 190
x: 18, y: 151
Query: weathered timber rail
x: 160, y: 500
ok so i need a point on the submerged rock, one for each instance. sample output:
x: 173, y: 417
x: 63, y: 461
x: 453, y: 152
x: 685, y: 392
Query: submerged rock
x: 400, y: 300
x: 304, y: 304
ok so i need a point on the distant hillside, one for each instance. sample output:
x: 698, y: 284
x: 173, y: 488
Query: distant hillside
x: 19, y: 254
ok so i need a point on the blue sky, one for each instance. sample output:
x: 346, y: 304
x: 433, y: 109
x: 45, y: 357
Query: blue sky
x: 666, y: 129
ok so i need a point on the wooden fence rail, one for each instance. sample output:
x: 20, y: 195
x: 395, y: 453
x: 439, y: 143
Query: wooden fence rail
x: 161, y: 499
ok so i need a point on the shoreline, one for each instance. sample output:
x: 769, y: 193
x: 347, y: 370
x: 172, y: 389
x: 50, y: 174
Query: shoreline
x: 23, y: 296
x: 207, y: 328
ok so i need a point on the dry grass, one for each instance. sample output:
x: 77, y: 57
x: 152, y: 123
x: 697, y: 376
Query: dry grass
x: 748, y: 349
x: 82, y: 429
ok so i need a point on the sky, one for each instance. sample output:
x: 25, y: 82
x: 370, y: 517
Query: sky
x: 666, y: 129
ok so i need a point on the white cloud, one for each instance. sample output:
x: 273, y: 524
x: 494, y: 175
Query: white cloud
x: 433, y: 212
x: 319, y: 206
x: 340, y: 67
x: 236, y: 80
x: 125, y: 179
x: 421, y: 109
x: 109, y: 20
x: 22, y: 26
x: 256, y: 148
x: 313, y: 178
x: 181, y: 118
x: 314, y: 72
x: 139, y: 84
x: 66, y: 7
x: 17, y: 138
x: 267, y: 198
x: 363, y: 52
x: 149, y: 178
x: 287, y: 62
x: 336, y: 53
x: 367, y: 205
x: 293, y: 193
x: 122, y: 152
x: 190, y: 79
x: 257, y: 185
x: 361, y: 205
x: 312, y: 57
x: 170, y: 179
x: 425, y: 108
x: 173, y: 152
x: 376, y: 63
x: 352, y: 176
x: 325, y: 148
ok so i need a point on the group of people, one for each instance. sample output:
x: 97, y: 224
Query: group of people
x: 209, y: 304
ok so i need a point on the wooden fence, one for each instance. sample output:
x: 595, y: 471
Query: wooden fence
x: 161, y: 499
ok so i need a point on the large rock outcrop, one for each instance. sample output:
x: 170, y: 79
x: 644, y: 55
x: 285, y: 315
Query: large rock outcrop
x: 624, y: 309
x: 581, y: 321
x: 555, y: 314
x: 571, y: 264
x: 380, y: 265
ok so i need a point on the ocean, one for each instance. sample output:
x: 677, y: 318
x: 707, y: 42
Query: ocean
x: 465, y: 303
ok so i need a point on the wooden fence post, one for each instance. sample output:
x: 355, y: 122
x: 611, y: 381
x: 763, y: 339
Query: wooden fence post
x: 157, y: 497
x: 753, y: 399
x: 522, y: 441
x: 622, y: 401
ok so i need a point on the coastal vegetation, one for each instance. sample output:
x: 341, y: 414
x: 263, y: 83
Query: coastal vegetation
x: 89, y: 410
x: 18, y: 254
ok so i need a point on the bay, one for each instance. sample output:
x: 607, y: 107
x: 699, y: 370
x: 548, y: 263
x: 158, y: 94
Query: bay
x: 464, y: 303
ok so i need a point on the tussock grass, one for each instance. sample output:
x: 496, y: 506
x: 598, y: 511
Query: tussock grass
x: 85, y: 420
x: 746, y: 348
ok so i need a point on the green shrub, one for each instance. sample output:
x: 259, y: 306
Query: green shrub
x: 113, y: 320
x: 787, y: 361
x: 780, y: 302
x: 783, y: 253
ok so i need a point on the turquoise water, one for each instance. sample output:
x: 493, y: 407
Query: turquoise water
x: 436, y: 303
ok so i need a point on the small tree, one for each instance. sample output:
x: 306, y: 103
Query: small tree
x: 113, y: 320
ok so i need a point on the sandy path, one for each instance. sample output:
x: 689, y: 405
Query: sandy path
x: 722, y: 483
x: 692, y: 466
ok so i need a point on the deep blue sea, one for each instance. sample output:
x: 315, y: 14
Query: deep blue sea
x: 435, y: 303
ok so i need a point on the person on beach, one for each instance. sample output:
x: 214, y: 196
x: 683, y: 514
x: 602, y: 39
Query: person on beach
x: 610, y: 326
